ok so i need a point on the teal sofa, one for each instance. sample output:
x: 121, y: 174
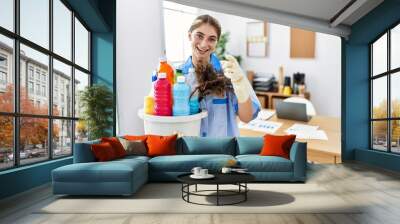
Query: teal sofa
x: 125, y: 176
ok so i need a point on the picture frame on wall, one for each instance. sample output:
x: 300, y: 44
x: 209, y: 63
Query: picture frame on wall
x: 302, y: 43
x: 257, y: 39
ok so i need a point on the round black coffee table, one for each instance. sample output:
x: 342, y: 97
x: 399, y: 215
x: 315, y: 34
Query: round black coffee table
x: 238, y: 179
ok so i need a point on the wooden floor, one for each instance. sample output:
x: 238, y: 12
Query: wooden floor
x: 378, y: 189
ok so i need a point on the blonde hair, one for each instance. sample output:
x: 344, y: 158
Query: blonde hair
x: 206, y: 19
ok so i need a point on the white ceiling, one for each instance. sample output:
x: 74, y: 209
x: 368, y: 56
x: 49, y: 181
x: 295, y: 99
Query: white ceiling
x: 313, y: 15
x: 320, y: 9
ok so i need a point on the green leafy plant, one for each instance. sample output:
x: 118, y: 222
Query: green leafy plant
x: 220, y: 50
x: 221, y: 45
x: 96, y: 102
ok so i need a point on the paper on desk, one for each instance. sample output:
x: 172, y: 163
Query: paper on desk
x: 265, y: 114
x: 302, y: 127
x: 261, y: 125
x: 307, y: 132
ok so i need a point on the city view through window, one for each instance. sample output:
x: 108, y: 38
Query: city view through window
x: 48, y: 74
x: 385, y: 82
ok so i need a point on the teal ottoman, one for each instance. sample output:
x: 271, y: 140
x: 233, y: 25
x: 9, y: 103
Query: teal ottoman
x: 118, y: 177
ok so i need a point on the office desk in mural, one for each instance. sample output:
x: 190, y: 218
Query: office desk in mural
x: 318, y: 151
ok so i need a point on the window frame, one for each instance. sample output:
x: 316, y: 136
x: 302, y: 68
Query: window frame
x: 388, y: 74
x: 16, y: 114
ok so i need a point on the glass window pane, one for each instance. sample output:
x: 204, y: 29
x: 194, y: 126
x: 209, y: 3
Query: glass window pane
x: 395, y: 138
x: 379, y: 55
x: 33, y: 140
x: 81, y: 45
x: 62, y: 29
x: 395, y: 47
x: 379, y: 135
x: 35, y: 21
x: 395, y: 94
x: 6, y: 142
x: 6, y: 74
x: 379, y: 97
x: 62, y: 138
x: 81, y: 131
x: 81, y: 81
x: 62, y: 89
x: 7, y: 14
x: 176, y: 25
x: 34, y: 97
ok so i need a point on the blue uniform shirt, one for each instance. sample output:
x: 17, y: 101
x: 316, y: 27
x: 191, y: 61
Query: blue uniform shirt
x: 222, y: 111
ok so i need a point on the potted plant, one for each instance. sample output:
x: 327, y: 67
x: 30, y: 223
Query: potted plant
x: 96, y: 102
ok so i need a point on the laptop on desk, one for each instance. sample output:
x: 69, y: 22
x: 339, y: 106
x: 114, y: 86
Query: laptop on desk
x: 292, y: 111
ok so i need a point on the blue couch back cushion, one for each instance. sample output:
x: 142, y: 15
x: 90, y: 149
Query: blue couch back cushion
x: 83, y: 152
x: 249, y: 145
x: 206, y: 145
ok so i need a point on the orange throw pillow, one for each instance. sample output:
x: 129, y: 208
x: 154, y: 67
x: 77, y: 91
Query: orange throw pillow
x: 103, y: 152
x: 275, y: 145
x: 161, y: 145
x: 116, y: 145
x: 136, y: 137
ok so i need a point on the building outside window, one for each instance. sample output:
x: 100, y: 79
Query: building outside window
x: 37, y: 74
x: 3, y: 72
x: 44, y: 77
x: 3, y: 61
x: 30, y: 72
x: 30, y: 87
x: 38, y: 89
x: 43, y: 90
x: 3, y: 78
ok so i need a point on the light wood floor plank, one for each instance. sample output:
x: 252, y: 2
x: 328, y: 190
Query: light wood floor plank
x: 376, y: 191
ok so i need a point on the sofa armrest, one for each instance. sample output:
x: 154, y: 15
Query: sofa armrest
x: 83, y: 152
x: 298, y: 155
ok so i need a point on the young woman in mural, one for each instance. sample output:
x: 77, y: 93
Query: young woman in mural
x: 222, y: 88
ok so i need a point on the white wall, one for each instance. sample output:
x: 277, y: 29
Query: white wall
x: 139, y: 45
x: 323, y: 73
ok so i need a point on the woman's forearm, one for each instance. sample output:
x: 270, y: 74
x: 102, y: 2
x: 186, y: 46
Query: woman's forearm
x: 245, y: 110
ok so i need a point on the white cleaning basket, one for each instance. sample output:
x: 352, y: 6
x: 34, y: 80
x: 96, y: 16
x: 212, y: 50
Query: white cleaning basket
x: 169, y: 125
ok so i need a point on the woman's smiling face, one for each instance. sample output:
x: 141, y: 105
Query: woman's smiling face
x: 203, y: 40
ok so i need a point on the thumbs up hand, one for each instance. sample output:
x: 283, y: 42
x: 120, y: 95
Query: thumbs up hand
x: 240, y: 83
x: 232, y: 68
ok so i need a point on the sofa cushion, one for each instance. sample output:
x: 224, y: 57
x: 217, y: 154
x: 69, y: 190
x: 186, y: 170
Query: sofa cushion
x: 185, y: 163
x: 132, y: 158
x: 277, y: 145
x: 249, y: 145
x: 207, y: 145
x: 103, y: 152
x: 135, y: 137
x: 116, y: 145
x: 134, y: 147
x: 161, y: 145
x: 83, y: 152
x: 257, y: 163
x: 112, y: 171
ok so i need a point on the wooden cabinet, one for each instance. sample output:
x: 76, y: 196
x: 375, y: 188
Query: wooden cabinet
x: 267, y: 99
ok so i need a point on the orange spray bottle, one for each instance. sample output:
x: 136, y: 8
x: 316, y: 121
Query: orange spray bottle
x: 164, y: 67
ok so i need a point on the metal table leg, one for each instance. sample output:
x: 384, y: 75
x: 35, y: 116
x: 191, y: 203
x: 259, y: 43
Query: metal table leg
x: 217, y: 194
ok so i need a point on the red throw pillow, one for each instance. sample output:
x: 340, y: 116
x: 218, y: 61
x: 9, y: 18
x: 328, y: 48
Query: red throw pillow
x: 275, y: 145
x: 103, y: 152
x: 116, y: 145
x: 161, y: 145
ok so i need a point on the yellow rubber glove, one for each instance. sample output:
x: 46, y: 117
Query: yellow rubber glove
x: 241, y: 84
